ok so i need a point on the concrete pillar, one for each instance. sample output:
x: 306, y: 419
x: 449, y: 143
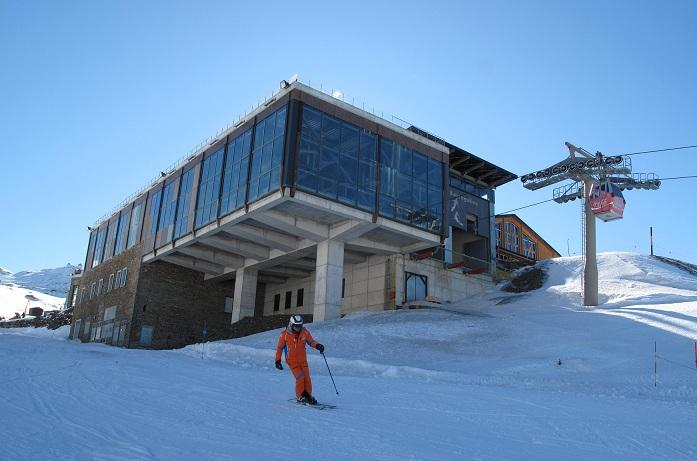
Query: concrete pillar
x: 590, y: 271
x: 328, y: 275
x: 245, y: 294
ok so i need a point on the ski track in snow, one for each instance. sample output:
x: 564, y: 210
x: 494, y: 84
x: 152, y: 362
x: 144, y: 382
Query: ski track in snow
x: 474, y: 380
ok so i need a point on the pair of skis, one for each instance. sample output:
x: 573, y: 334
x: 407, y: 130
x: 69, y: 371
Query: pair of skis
x: 317, y: 406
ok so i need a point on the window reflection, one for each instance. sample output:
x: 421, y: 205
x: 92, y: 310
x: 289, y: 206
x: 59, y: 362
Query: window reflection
x: 182, y: 220
x: 236, y: 169
x: 410, y: 186
x: 336, y: 160
x: 209, y: 188
x: 269, y: 137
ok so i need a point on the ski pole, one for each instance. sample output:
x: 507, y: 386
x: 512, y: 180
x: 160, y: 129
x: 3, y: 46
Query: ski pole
x: 330, y: 373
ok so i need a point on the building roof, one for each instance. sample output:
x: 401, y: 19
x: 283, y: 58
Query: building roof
x: 470, y: 165
x: 513, y: 215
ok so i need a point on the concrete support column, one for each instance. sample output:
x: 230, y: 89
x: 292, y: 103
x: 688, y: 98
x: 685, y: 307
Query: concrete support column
x: 590, y: 271
x: 328, y: 275
x: 245, y: 294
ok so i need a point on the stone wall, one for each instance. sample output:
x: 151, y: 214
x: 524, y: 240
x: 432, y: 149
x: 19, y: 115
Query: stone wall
x: 177, y: 303
x: 92, y: 310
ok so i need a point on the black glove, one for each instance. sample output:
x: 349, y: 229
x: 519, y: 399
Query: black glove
x: 320, y: 348
x: 278, y: 365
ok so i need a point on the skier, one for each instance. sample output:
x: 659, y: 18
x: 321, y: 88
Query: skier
x: 292, y: 341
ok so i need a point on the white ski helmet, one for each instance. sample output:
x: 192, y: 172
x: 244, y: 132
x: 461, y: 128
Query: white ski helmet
x: 296, y: 321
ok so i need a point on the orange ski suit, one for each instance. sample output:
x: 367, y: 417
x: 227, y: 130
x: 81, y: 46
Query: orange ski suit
x: 293, y: 344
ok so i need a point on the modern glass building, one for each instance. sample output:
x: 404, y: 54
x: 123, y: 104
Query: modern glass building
x: 309, y: 199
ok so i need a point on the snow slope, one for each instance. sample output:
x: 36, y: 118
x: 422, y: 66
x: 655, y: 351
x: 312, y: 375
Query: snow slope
x: 16, y: 299
x: 478, y: 379
x: 54, y: 282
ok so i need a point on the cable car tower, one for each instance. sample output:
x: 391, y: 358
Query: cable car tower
x: 599, y: 180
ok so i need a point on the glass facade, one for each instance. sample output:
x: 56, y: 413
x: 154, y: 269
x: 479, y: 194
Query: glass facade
x: 155, y: 202
x: 529, y: 247
x: 168, y: 209
x: 181, y: 225
x: 209, y: 188
x: 136, y: 223
x: 99, y: 246
x: 336, y: 160
x: 236, y: 169
x: 465, y: 186
x: 512, y: 237
x: 110, y: 237
x: 121, y: 232
x: 269, y: 138
x: 411, y: 186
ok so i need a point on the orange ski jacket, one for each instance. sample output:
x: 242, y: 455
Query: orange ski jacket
x: 293, y: 345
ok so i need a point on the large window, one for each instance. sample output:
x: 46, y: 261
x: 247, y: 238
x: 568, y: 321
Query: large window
x: 411, y: 186
x: 269, y: 136
x: 155, y: 202
x: 529, y: 247
x: 337, y: 160
x: 512, y: 237
x: 99, y: 247
x: 465, y: 186
x: 169, y: 207
x: 110, y: 237
x: 209, y: 188
x: 121, y: 232
x: 136, y: 222
x: 236, y: 169
x: 182, y: 222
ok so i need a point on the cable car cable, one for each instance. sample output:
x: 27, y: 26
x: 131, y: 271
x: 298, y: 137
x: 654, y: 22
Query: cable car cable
x: 660, y: 150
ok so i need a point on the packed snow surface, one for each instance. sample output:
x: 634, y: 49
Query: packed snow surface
x: 498, y: 377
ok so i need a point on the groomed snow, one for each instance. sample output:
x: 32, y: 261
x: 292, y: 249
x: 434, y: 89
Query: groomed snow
x: 478, y: 379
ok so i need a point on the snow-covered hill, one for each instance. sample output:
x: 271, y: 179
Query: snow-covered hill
x: 54, y: 282
x: 14, y: 299
x: 502, y: 376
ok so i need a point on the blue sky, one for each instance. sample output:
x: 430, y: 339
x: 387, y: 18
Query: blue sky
x: 97, y: 97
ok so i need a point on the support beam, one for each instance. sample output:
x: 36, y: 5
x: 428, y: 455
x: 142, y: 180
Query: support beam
x: 350, y: 230
x: 194, y: 264
x: 286, y: 272
x: 240, y: 247
x: 354, y: 258
x: 303, y: 263
x: 266, y: 237
x: 417, y: 247
x: 264, y: 278
x: 328, y: 275
x: 368, y: 246
x: 245, y: 294
x: 213, y: 256
x: 475, y: 167
x: 294, y: 225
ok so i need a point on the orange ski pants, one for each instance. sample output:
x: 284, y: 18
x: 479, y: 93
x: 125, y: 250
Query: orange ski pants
x: 303, y: 383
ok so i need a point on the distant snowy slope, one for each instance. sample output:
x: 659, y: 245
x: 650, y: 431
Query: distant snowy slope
x: 16, y: 299
x: 55, y: 282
